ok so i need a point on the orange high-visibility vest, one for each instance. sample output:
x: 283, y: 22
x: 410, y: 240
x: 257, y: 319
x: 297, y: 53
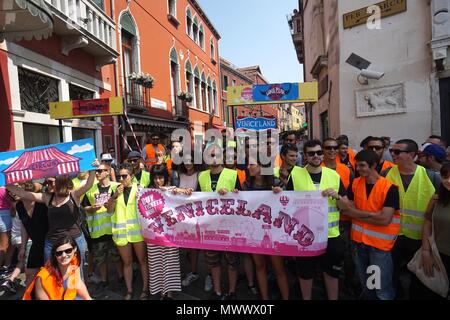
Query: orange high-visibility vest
x: 351, y: 159
x: 151, y: 157
x: 386, y: 165
x: 278, y: 161
x: 344, y: 172
x: 54, y: 290
x: 380, y: 237
x: 242, y: 176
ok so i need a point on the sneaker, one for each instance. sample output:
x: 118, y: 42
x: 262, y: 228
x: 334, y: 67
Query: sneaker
x: 8, y: 286
x: 231, y: 296
x: 217, y: 296
x: 189, y: 279
x: 208, y: 283
x: 93, y: 278
x: 254, y: 290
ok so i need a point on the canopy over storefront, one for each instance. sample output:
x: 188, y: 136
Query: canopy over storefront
x: 25, y: 19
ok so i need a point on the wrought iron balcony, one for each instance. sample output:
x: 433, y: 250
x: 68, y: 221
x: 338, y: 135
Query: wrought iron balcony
x: 180, y: 110
x: 82, y: 24
x: 137, y: 98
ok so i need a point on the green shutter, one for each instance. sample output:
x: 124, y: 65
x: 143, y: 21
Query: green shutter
x: 127, y: 23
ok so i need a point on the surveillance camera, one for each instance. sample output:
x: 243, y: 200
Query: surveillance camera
x: 371, y: 74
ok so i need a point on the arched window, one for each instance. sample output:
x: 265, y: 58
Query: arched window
x: 201, y: 37
x: 174, y: 78
x: 197, y: 101
x: 210, y: 105
x: 130, y: 55
x: 214, y: 104
x: 188, y: 22
x: 189, y: 77
x: 195, y: 30
x: 203, y: 91
x: 212, y: 48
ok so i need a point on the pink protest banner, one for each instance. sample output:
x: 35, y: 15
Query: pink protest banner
x: 291, y: 223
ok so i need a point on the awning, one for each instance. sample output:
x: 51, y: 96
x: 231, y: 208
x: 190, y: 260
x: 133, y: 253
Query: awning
x: 156, y: 122
x: 25, y: 19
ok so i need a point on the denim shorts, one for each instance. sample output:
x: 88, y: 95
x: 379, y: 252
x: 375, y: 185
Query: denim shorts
x: 5, y: 220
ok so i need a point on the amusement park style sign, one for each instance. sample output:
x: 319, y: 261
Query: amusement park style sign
x: 272, y: 93
x: 86, y: 108
x: 46, y: 161
x: 256, y: 124
x: 291, y: 223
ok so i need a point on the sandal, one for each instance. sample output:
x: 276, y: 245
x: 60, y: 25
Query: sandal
x: 128, y: 296
x: 143, y: 296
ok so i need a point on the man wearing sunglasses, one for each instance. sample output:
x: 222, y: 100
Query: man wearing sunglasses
x: 99, y: 223
x: 315, y: 177
x: 416, y: 190
x: 141, y: 176
x: 376, y: 144
x: 151, y: 150
x: 330, y: 151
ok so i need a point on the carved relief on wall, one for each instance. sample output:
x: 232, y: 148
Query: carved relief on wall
x: 380, y: 101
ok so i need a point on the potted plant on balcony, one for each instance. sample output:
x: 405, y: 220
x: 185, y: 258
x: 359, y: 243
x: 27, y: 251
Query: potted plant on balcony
x: 142, y: 79
x: 185, y: 96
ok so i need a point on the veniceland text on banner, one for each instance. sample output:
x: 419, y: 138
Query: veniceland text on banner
x: 291, y: 223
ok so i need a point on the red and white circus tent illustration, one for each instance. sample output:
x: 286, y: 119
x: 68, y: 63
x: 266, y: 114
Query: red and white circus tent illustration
x: 41, y: 163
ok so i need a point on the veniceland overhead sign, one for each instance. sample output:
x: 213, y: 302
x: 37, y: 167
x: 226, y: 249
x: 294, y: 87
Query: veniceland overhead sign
x: 256, y: 124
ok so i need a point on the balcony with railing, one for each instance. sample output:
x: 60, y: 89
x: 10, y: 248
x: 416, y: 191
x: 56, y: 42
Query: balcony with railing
x: 137, y: 98
x: 295, y: 21
x: 82, y: 24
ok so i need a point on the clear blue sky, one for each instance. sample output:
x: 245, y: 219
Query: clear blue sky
x: 256, y: 32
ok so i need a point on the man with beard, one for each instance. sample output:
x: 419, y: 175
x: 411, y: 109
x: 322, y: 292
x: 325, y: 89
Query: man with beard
x: 315, y: 177
x: 377, y: 145
x: 141, y: 177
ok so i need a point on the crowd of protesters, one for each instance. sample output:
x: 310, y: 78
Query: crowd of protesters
x: 383, y: 202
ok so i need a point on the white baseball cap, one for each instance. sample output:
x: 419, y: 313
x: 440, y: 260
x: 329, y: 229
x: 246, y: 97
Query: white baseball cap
x: 106, y: 157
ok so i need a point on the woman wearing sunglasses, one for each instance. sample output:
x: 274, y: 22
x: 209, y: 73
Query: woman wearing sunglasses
x: 60, y: 279
x: 126, y: 229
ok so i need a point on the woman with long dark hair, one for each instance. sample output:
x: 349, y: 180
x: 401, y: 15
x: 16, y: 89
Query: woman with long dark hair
x: 257, y: 181
x: 60, y: 279
x: 437, y: 216
x: 164, y: 262
x: 63, y: 210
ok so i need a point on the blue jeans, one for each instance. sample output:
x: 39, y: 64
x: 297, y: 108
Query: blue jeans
x: 82, y: 247
x: 365, y: 256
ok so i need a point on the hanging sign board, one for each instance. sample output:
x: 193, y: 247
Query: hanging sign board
x: 86, y: 108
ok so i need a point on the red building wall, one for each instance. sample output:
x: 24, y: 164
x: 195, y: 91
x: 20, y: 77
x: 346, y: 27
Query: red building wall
x: 6, y: 127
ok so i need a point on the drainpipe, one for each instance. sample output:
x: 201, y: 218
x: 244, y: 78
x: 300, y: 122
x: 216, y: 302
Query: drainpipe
x: 117, y: 142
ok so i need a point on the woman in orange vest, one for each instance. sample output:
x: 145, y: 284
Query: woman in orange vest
x: 60, y: 278
x: 375, y: 225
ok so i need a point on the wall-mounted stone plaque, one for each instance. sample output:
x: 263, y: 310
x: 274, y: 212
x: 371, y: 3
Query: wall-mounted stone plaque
x: 380, y: 101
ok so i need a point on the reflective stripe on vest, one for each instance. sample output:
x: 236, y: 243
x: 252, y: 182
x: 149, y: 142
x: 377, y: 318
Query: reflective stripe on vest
x: 126, y: 227
x: 99, y: 222
x: 413, y: 202
x: 145, y: 180
x: 302, y: 181
x: 380, y: 237
x: 227, y: 180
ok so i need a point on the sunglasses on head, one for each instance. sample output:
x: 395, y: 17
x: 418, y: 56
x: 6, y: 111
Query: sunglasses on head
x: 329, y: 148
x: 123, y: 176
x: 377, y: 148
x: 313, y: 153
x: 101, y: 170
x: 398, y: 151
x: 66, y: 251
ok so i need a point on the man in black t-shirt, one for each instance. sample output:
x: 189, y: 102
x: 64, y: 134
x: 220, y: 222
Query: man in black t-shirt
x: 373, y: 202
